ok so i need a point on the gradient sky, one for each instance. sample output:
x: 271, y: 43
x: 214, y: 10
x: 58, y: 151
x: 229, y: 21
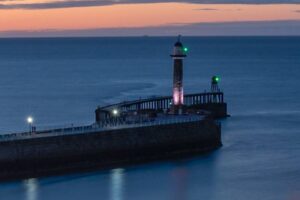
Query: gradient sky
x: 110, y: 17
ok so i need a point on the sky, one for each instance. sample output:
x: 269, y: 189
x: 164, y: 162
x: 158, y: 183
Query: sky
x: 46, y: 18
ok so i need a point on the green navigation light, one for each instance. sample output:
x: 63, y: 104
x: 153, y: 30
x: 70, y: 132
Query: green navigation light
x: 185, y: 49
x: 215, y: 79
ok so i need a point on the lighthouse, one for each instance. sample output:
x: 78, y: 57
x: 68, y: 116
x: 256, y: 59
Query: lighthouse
x: 179, y: 53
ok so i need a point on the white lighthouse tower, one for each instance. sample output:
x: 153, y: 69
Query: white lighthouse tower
x: 179, y: 53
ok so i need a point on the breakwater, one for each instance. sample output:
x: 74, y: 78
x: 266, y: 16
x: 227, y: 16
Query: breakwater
x: 43, y: 156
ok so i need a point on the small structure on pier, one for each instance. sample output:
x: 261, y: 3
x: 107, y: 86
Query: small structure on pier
x: 214, y: 84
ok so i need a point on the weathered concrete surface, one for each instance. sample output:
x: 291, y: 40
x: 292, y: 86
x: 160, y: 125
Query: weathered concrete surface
x: 81, y: 152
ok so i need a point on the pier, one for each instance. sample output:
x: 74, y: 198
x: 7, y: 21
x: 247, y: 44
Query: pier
x: 124, y: 133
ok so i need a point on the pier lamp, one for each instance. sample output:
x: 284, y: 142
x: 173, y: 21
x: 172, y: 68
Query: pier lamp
x: 216, y: 79
x: 185, y: 49
x: 214, y: 84
x: 115, y: 112
x: 30, y: 122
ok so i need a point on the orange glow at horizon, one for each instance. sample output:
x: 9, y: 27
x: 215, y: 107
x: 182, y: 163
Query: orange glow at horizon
x: 141, y: 15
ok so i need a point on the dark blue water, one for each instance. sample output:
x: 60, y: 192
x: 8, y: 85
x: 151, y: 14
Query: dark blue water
x: 61, y: 81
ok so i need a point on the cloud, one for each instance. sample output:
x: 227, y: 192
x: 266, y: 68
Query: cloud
x: 57, y: 4
x: 214, y: 9
x: 249, y: 28
x: 206, y: 9
x: 23, y: 4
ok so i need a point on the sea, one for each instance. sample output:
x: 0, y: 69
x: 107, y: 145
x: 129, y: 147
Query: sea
x: 60, y: 81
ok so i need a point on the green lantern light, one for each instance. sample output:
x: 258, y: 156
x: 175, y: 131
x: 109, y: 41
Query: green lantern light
x: 215, y: 79
x: 185, y: 49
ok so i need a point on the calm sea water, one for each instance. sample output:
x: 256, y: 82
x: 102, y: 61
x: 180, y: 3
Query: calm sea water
x: 61, y: 81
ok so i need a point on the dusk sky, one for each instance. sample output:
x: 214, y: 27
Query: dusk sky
x: 26, y: 18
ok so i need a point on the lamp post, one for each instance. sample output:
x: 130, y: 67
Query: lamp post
x: 115, y: 114
x: 214, y: 84
x: 30, y: 122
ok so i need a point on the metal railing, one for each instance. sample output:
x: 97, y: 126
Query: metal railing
x: 165, y: 102
x: 101, y: 127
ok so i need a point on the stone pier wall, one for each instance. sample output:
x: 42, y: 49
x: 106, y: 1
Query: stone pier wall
x: 70, y: 153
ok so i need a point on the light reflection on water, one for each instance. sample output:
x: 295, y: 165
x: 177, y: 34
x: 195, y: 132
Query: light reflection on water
x: 117, y: 184
x: 31, y: 187
x: 180, y: 176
